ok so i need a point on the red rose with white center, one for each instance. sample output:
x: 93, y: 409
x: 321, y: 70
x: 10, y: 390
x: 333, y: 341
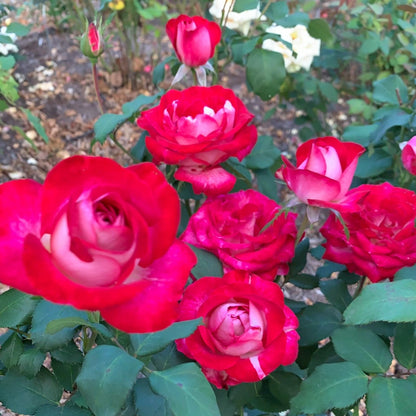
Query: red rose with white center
x: 245, y: 231
x: 248, y: 331
x: 198, y: 129
x: 99, y: 237
x: 382, y: 233
x: 324, y: 170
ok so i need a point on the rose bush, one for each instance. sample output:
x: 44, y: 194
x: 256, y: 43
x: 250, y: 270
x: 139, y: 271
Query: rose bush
x: 409, y: 155
x: 382, y: 234
x: 324, y: 170
x: 193, y: 38
x: 198, y: 129
x: 304, y: 47
x: 99, y: 237
x: 247, y: 333
x: 235, y: 227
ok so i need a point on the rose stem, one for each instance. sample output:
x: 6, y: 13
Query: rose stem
x: 97, y: 91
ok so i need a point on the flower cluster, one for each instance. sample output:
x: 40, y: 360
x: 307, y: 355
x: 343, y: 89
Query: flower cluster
x: 99, y: 236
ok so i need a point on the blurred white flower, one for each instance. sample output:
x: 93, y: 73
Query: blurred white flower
x: 6, y: 48
x: 304, y: 46
x: 233, y: 20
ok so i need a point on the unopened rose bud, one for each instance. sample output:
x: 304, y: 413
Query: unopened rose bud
x: 91, y: 45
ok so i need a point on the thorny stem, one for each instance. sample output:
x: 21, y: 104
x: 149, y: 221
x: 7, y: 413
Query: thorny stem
x: 97, y: 91
x: 121, y: 147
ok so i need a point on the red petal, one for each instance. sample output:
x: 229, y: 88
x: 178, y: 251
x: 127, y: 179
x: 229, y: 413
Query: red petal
x: 19, y: 217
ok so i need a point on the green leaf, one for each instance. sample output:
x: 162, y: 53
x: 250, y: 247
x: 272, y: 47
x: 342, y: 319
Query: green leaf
x: 277, y: 10
x: 405, y: 344
x: 145, y: 344
x: 11, y: 350
x: 283, y: 386
x: 336, y: 291
x: 391, y: 302
x: 243, y: 5
x: 265, y: 72
x: 299, y: 261
x: 392, y: 117
x: 406, y: 273
x: 387, y: 90
x: 304, y: 281
x: 7, y: 62
x: 392, y: 397
x: 30, y: 362
x: 23, y: 395
x: 318, y: 322
x: 108, y: 122
x: 328, y: 91
x: 36, y: 123
x: 186, y: 390
x: 66, y: 373
x: 66, y: 410
x: 18, y: 29
x: 335, y: 385
x: 46, y: 312
x: 207, y: 265
x: 323, y: 355
x: 319, y: 29
x: 147, y: 402
x: 266, y: 183
x: 107, y: 375
x: 72, y: 322
x: 169, y: 357
x: 68, y: 353
x: 374, y: 165
x: 360, y: 134
x: 263, y: 155
x: 15, y: 307
x: 362, y: 347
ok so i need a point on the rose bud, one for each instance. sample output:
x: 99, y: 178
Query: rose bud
x: 409, y: 156
x: 193, y: 38
x: 91, y: 45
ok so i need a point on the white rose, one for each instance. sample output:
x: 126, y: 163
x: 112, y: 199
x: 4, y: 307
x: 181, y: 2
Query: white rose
x: 6, y: 48
x: 235, y: 21
x: 304, y: 46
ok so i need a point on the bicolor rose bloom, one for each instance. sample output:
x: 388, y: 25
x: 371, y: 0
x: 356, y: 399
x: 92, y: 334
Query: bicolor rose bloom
x: 245, y: 231
x: 248, y: 331
x: 382, y: 233
x: 193, y: 38
x: 409, y: 156
x: 303, y: 46
x: 197, y: 129
x: 324, y: 170
x: 97, y: 236
x: 239, y: 21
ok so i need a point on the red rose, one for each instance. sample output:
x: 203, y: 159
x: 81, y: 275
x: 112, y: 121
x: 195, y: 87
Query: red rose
x: 91, y: 45
x: 409, y: 156
x: 94, y: 39
x: 99, y: 237
x: 248, y: 331
x: 235, y: 227
x: 193, y: 38
x: 382, y: 232
x: 198, y: 129
x: 324, y: 170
